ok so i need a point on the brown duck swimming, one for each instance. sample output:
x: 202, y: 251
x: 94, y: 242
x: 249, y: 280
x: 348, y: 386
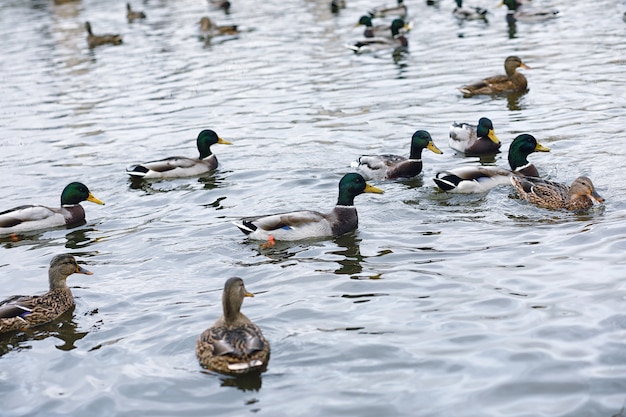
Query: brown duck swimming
x: 233, y: 345
x: 20, y: 312
x: 208, y: 29
x: 133, y: 15
x: 553, y: 195
x: 513, y: 81
x: 97, y: 40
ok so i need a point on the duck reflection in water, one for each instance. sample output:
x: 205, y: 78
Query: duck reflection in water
x: 64, y: 328
x: 244, y: 383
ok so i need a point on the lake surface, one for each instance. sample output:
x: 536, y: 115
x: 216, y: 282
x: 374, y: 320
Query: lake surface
x: 438, y: 305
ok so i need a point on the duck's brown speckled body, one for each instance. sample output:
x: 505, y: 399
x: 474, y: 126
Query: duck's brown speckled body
x: 553, y: 195
x: 97, y: 40
x: 21, y: 312
x: 233, y: 345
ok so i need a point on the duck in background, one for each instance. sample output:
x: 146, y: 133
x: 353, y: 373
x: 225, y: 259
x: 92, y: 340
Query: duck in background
x: 35, y: 218
x: 480, y: 179
x: 469, y: 12
x: 518, y: 12
x: 233, y: 345
x: 307, y: 224
x: 387, y: 167
x: 180, y: 166
x: 397, y: 40
x: 21, y: 312
x: 224, y: 5
x: 97, y: 40
x: 400, y: 10
x: 513, y: 81
x: 336, y: 5
x: 208, y: 29
x: 474, y: 140
x: 133, y: 15
x: 553, y: 195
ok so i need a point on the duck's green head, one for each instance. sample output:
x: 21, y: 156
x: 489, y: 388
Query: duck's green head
x: 522, y: 146
x: 75, y: 192
x: 459, y: 3
x: 421, y: 139
x: 352, y: 185
x: 206, y: 138
x: 485, y: 130
x: 365, y: 21
x: 396, y: 25
x: 510, y: 4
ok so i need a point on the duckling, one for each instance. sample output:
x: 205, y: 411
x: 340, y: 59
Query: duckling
x: 97, y: 40
x: 469, y: 12
x: 395, y: 166
x: 474, y: 140
x: 21, y: 312
x: 480, y: 179
x: 132, y: 15
x: 397, y: 40
x: 307, y: 224
x: 513, y: 81
x: 553, y: 195
x: 29, y: 218
x: 180, y: 166
x: 516, y: 12
x: 233, y: 345
x: 399, y: 10
x: 209, y: 29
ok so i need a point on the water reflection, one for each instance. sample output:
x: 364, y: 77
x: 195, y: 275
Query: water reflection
x: 351, y: 251
x: 514, y: 100
x: 251, y: 382
x: 64, y: 328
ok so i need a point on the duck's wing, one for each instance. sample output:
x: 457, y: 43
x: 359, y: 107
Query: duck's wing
x: 17, y: 306
x: 478, y: 179
x: 22, y: 214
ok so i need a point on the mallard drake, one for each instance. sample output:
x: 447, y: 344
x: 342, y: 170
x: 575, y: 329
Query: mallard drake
x: 305, y: 224
x: 399, y: 10
x: 97, y: 40
x: 517, y: 12
x: 208, y: 29
x: 388, y: 167
x: 180, y: 166
x: 20, y: 312
x: 474, y: 140
x: 480, y: 179
x: 132, y: 15
x: 31, y: 218
x: 233, y: 345
x: 397, y: 40
x: 513, y: 81
x: 553, y: 195
x: 372, y: 31
x: 469, y: 12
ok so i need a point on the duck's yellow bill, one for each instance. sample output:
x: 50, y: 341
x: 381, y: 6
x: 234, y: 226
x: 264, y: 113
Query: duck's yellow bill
x: 94, y: 199
x: 372, y: 189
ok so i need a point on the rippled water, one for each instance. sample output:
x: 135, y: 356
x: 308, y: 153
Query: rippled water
x: 438, y: 305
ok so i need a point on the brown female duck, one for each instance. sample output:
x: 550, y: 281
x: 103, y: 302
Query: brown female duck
x: 513, y: 81
x: 133, y: 15
x: 21, y: 312
x: 553, y: 195
x: 97, y: 40
x: 233, y: 345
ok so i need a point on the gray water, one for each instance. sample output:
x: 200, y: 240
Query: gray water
x: 438, y: 305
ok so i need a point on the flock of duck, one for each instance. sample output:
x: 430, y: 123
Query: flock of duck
x: 235, y: 345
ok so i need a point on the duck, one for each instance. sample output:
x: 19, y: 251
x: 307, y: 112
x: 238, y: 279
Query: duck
x: 308, y: 224
x: 233, y: 345
x: 132, y: 15
x: 180, y: 166
x: 389, y: 167
x: 516, y: 12
x: 35, y: 218
x: 469, y: 12
x: 372, y: 31
x: 20, y: 312
x: 481, y: 179
x: 513, y: 81
x: 337, y: 5
x: 97, y: 40
x: 221, y: 5
x: 208, y: 29
x: 397, y: 40
x: 474, y: 140
x: 553, y: 195
x: 399, y: 10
